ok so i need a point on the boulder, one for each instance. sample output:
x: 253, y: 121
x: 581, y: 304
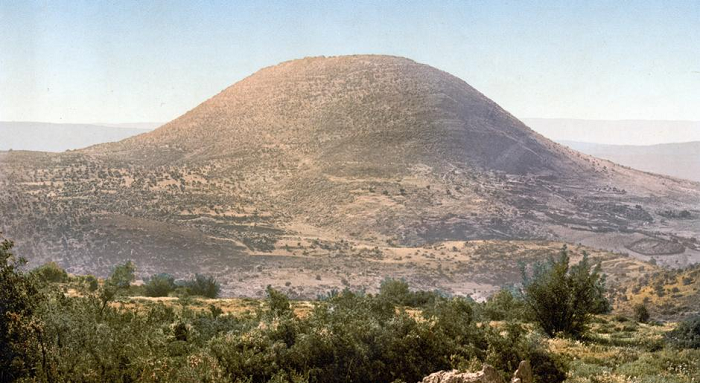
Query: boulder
x: 487, y: 375
x: 523, y: 374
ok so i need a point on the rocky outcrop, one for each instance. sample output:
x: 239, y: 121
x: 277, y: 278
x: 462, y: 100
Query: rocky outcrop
x: 487, y: 375
x: 523, y: 374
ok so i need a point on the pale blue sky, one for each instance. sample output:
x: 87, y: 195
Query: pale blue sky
x: 128, y: 61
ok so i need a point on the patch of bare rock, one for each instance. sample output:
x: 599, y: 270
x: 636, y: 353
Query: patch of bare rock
x: 523, y: 374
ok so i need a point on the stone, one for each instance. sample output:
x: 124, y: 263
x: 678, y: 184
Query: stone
x: 487, y: 375
x: 523, y: 374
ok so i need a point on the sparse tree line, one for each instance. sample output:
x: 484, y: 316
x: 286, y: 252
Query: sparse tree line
x: 392, y: 336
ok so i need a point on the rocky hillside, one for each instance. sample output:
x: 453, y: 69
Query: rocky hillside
x: 352, y: 152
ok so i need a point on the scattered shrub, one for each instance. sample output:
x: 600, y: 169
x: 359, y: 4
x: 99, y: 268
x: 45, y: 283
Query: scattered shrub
x: 640, y: 313
x: 160, y: 285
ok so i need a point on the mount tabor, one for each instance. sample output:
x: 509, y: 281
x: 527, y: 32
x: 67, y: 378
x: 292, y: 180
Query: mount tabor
x: 358, y: 151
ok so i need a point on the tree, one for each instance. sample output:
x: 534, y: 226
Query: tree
x: 563, y: 298
x: 640, y: 313
x: 278, y: 302
x: 51, y: 272
x: 204, y: 285
x: 122, y: 275
x: 19, y: 298
x: 395, y: 290
x: 503, y: 306
x: 160, y: 285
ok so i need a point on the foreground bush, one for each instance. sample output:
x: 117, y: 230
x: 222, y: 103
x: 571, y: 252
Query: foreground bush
x: 19, y: 299
x: 561, y: 298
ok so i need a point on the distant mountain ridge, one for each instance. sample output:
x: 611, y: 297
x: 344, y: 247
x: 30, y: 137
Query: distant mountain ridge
x: 675, y: 159
x: 616, y: 132
x: 51, y: 137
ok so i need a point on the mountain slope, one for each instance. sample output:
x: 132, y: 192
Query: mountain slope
x: 349, y: 154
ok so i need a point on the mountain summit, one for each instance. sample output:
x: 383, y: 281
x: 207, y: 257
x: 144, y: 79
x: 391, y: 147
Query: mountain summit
x: 357, y: 112
x: 362, y: 151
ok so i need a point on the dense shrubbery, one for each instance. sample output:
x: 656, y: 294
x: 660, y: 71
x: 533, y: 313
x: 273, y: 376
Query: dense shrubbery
x: 395, y: 335
x: 347, y: 337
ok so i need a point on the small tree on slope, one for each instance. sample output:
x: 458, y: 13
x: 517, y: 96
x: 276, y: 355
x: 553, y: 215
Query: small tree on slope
x: 562, y: 298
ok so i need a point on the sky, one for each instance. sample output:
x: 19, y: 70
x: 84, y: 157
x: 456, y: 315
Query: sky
x: 131, y: 61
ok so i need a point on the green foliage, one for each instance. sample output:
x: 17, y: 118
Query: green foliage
x: 686, y: 335
x: 640, y: 313
x: 160, y: 285
x: 123, y: 275
x: 51, y: 272
x: 92, y: 283
x: 504, y: 305
x: 203, y: 285
x: 396, y: 291
x: 510, y: 345
x: 563, y: 298
x: 19, y: 330
x: 278, y: 303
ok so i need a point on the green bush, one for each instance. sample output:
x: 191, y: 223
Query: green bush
x: 685, y: 335
x: 396, y: 291
x: 122, y: 275
x: 91, y: 282
x: 203, y: 285
x: 561, y: 298
x: 19, y: 300
x: 160, y: 285
x: 640, y: 313
x: 504, y: 306
x: 278, y: 303
x: 51, y: 272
